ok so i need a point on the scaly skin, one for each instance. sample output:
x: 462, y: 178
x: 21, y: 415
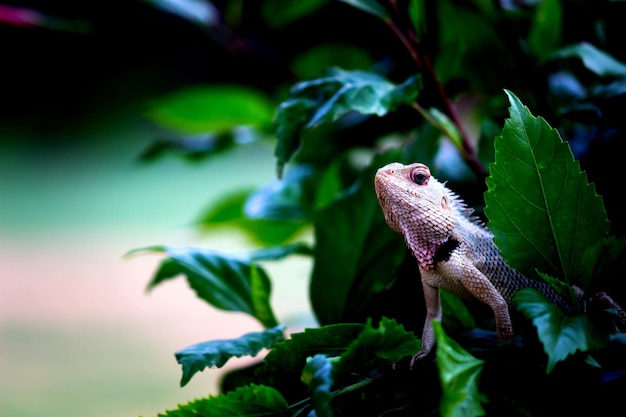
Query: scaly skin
x: 454, y: 251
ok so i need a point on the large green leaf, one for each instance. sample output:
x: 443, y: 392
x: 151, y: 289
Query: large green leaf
x: 459, y: 373
x: 561, y: 335
x: 227, y: 282
x: 594, y: 59
x: 388, y: 342
x: 356, y: 254
x: 541, y: 209
x: 329, y: 98
x: 216, y: 353
x: 251, y: 400
x: 213, y: 108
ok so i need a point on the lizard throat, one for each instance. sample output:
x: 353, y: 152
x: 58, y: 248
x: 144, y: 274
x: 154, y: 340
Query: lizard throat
x: 444, y: 250
x: 429, y: 254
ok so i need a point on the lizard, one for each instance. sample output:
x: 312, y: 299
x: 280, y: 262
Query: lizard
x: 454, y: 249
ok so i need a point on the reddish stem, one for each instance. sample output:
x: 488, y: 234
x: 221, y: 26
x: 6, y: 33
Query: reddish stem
x: 412, y: 44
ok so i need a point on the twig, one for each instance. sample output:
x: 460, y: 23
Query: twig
x: 412, y: 44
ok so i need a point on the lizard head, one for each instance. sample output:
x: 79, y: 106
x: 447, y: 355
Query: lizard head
x: 414, y: 203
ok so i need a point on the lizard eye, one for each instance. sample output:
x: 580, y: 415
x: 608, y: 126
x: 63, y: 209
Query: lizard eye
x: 419, y: 176
x: 444, y: 202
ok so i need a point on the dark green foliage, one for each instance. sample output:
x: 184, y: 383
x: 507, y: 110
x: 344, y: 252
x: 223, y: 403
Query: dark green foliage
x: 367, y: 262
x: 291, y: 354
x: 560, y: 334
x: 330, y: 98
x: 459, y: 373
x: 387, y: 342
x: 253, y: 400
x: 422, y: 82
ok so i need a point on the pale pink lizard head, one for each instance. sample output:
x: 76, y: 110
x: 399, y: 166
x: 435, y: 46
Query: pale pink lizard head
x: 415, y: 203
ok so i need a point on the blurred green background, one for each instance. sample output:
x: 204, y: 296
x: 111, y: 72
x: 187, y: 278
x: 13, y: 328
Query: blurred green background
x: 78, y: 334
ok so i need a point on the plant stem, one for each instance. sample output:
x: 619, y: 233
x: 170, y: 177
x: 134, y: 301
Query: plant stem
x: 412, y: 44
x: 345, y: 390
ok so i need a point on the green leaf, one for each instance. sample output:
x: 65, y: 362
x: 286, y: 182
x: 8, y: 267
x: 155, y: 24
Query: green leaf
x: 600, y: 260
x: 274, y: 212
x: 356, y: 254
x: 561, y: 335
x: 291, y: 354
x: 216, y: 353
x: 446, y: 126
x: 317, y: 374
x: 459, y: 373
x: 190, y: 148
x: 228, y: 208
x: 417, y: 14
x: 229, y: 211
x: 315, y: 61
x: 369, y: 6
x: 227, y: 282
x: 280, y: 252
x: 213, y: 108
x: 286, y: 199
x: 594, y: 59
x: 468, y: 43
x: 455, y: 312
x: 566, y: 291
x: 545, y: 31
x: 330, y: 185
x: 389, y: 342
x: 486, y: 6
x: 541, y: 209
x: 279, y: 13
x: 329, y: 98
x: 251, y: 400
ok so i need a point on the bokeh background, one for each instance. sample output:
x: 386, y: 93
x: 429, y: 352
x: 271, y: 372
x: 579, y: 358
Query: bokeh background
x: 87, y: 90
x: 78, y: 333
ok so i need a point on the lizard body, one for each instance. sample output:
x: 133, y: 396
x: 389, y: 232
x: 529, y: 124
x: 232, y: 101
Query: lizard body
x: 455, y: 252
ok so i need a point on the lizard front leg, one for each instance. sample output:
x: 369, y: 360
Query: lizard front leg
x: 458, y: 268
x: 433, y: 312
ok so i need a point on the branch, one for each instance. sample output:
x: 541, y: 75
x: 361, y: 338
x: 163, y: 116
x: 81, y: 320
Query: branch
x: 412, y: 44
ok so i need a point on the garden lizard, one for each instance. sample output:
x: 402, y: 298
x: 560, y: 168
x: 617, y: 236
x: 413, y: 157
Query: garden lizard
x: 455, y: 251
